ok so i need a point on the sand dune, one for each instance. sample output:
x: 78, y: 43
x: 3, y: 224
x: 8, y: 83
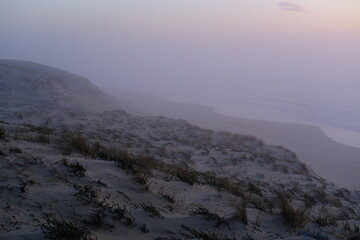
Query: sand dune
x: 68, y: 170
x: 336, y: 162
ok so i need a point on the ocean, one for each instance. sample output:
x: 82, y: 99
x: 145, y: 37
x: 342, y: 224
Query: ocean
x: 336, y: 110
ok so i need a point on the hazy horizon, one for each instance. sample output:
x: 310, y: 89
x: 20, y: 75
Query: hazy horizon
x: 179, y: 119
x: 296, y: 57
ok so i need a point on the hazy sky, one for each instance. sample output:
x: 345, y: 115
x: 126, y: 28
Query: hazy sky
x: 207, y: 45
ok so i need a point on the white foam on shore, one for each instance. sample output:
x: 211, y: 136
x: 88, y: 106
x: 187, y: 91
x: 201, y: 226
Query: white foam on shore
x: 342, y: 136
x: 339, y: 135
x: 243, y: 110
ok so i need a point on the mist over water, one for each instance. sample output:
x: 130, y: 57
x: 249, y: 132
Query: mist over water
x: 296, y: 61
x: 317, y: 105
x: 172, y: 119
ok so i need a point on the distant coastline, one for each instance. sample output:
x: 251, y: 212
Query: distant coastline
x: 339, y: 135
x: 343, y: 136
x: 243, y: 110
x: 250, y: 108
x: 334, y: 161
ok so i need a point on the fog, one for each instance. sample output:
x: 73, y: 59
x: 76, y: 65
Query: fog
x: 277, y: 60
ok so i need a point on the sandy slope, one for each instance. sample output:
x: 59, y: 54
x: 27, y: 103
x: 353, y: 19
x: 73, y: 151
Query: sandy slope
x: 336, y: 162
x: 69, y: 167
x: 25, y: 84
x: 39, y: 181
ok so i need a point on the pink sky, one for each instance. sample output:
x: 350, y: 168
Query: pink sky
x: 205, y: 43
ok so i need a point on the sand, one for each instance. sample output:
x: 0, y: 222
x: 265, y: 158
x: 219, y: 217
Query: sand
x: 176, y: 178
x: 343, y: 136
x: 336, y: 162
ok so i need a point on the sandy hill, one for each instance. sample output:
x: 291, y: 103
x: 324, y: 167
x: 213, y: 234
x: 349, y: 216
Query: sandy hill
x: 336, y: 162
x: 25, y: 83
x: 68, y: 171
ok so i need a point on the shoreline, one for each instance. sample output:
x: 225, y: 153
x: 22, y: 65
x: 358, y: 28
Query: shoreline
x: 336, y: 162
x: 342, y: 136
x: 339, y: 135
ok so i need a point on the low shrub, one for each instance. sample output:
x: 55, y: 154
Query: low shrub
x: 2, y: 133
x: 79, y: 143
x: 42, y: 138
x: 261, y: 203
x: 296, y: 218
x: 168, y: 238
x: 122, y: 214
x: 320, y: 195
x: 224, y: 183
x: 85, y: 193
x: 184, y: 174
x: 123, y: 159
x: 15, y: 150
x: 60, y: 229
x: 192, y: 233
x: 208, y: 215
x: 309, y: 200
x: 31, y: 137
x: 149, y: 208
x: 39, y: 129
x: 97, y: 217
x: 170, y: 199
x: 324, y: 218
x: 76, y: 168
x: 241, y: 212
x: 350, y: 233
x: 314, y: 234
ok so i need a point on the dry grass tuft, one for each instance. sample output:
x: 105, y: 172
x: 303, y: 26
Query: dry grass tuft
x: 60, y: 229
x: 296, y: 218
